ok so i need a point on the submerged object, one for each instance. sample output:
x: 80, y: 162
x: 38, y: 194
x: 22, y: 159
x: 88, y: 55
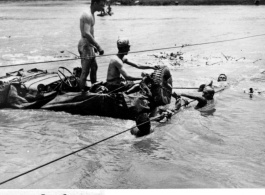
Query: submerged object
x: 59, y: 91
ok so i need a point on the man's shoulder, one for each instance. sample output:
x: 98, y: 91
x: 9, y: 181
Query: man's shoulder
x: 124, y: 59
x: 115, y: 60
x: 86, y: 16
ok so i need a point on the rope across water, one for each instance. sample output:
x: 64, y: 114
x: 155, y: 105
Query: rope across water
x: 88, y: 146
x: 105, y: 139
x: 57, y: 159
x: 141, y: 51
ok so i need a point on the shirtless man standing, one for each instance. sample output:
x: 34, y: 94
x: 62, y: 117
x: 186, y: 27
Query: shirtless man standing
x: 116, y: 68
x: 87, y: 44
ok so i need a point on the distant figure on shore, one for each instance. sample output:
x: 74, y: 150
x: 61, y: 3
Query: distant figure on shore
x: 87, y: 45
x: 102, y: 12
x: 256, y: 2
x: 109, y: 10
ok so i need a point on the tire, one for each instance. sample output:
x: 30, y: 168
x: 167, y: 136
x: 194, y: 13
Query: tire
x: 4, y: 90
x: 162, y: 88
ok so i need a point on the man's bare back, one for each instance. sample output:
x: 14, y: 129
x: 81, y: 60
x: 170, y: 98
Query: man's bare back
x: 117, y: 68
x: 114, y: 69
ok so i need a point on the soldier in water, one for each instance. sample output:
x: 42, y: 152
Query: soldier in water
x: 87, y: 45
x: 205, y: 100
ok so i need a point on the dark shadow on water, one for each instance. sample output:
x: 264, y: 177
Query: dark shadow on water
x: 151, y: 148
x: 208, y: 112
x: 147, y: 146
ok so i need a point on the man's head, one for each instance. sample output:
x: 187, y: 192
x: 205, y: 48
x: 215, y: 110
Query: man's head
x: 77, y: 71
x: 98, y: 5
x: 208, y: 92
x: 143, y: 125
x: 222, y: 77
x: 123, y: 45
x: 202, y: 86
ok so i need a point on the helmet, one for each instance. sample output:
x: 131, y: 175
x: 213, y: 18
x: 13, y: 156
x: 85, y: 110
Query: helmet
x: 123, y: 42
x: 202, y: 86
x: 209, y: 90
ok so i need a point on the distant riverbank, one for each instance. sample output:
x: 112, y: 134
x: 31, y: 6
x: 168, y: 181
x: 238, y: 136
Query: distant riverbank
x: 189, y: 2
x: 161, y: 2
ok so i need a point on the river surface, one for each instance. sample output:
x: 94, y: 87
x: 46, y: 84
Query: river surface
x: 222, y: 149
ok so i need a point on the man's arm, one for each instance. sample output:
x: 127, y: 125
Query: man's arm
x: 124, y: 73
x: 198, y: 98
x: 139, y: 66
x: 86, y: 21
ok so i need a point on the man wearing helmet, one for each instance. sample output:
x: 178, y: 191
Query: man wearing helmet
x: 87, y: 44
x: 117, y: 69
x: 202, y: 86
x: 205, y: 100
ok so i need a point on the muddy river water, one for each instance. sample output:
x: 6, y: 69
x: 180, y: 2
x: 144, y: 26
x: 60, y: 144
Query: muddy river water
x: 223, y: 149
